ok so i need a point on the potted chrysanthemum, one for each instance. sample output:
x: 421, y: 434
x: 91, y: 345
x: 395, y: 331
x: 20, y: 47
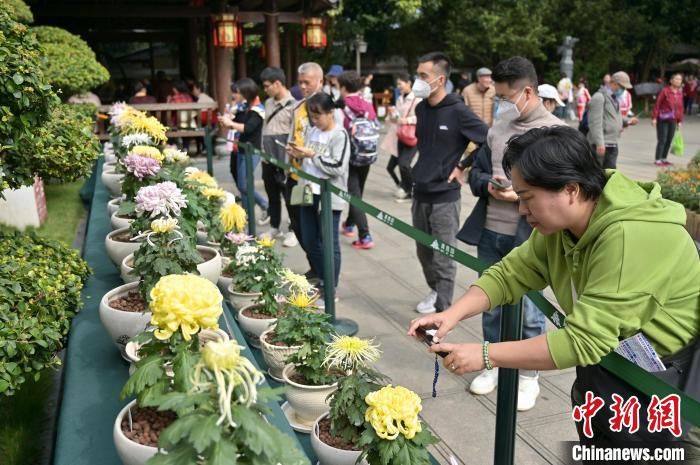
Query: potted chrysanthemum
x: 228, y: 248
x: 335, y: 437
x: 220, y: 414
x: 185, y: 313
x: 309, y: 379
x: 393, y: 433
x: 298, y: 326
x: 255, y: 287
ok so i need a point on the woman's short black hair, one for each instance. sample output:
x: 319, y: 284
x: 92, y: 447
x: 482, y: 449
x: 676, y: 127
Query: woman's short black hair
x: 553, y: 157
x: 351, y: 81
x: 247, y: 88
x: 405, y: 77
x: 320, y: 103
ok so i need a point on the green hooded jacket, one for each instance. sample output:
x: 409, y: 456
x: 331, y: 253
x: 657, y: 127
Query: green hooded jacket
x: 635, y: 267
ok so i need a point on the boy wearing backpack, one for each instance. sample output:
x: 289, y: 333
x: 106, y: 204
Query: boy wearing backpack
x: 361, y: 123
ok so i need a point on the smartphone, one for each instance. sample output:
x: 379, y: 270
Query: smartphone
x: 428, y: 339
x: 500, y: 184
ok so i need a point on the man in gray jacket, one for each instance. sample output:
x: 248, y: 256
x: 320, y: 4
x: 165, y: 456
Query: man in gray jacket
x: 605, y: 123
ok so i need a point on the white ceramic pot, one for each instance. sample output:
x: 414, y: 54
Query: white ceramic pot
x: 109, y: 165
x: 110, y: 156
x: 253, y: 327
x: 117, y: 250
x: 329, y: 455
x: 130, y: 452
x: 113, y: 205
x: 241, y: 299
x: 112, y: 182
x: 308, y: 402
x: 121, y: 325
x: 201, y: 237
x: 275, y: 356
x: 125, y: 269
x: 224, y: 281
x: 119, y: 222
x: 210, y: 269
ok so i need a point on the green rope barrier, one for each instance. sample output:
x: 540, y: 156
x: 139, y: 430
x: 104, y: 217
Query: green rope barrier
x: 627, y: 371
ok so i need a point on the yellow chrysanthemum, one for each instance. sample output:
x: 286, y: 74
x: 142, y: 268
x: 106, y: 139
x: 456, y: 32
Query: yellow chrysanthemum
x: 185, y: 302
x: 202, y: 177
x: 164, y: 225
x: 147, y: 151
x: 302, y: 301
x: 392, y: 411
x: 233, y: 217
x: 297, y: 282
x: 349, y: 352
x: 213, y: 193
x: 265, y: 241
x: 140, y: 122
x: 223, y: 366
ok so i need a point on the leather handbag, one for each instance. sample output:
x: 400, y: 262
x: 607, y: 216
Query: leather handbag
x: 407, y: 132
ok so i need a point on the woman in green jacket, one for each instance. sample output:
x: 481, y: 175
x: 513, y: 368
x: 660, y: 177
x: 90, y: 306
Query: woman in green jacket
x: 615, y: 253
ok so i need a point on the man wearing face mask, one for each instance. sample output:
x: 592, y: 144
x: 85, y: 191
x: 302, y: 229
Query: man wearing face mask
x: 495, y: 226
x: 605, y: 123
x: 444, y: 128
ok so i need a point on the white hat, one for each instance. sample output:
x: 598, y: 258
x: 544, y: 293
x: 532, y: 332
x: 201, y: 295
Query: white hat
x: 549, y: 91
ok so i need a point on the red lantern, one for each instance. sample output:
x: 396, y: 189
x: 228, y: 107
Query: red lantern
x: 314, y: 33
x: 227, y: 33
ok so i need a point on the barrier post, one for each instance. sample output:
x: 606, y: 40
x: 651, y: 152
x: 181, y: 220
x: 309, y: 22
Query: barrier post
x: 208, y: 146
x: 507, y: 400
x: 250, y: 188
x: 343, y: 326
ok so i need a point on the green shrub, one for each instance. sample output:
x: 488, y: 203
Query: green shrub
x: 18, y: 10
x: 695, y: 161
x: 25, y: 100
x: 40, y: 284
x: 65, y: 147
x: 70, y: 64
x: 682, y: 186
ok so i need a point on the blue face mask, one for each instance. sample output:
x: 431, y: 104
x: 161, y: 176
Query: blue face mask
x: 619, y: 92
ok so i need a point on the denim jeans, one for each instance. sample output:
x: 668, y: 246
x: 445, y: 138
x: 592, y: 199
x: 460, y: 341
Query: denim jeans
x: 310, y: 224
x: 242, y: 180
x: 665, y: 130
x: 491, y: 249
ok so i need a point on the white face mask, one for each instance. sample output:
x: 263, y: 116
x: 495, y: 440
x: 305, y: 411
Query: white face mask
x: 422, y: 89
x: 508, y: 111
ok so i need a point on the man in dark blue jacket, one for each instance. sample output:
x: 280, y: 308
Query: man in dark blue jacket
x: 444, y: 128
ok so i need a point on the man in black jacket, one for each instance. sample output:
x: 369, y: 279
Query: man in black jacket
x: 444, y: 128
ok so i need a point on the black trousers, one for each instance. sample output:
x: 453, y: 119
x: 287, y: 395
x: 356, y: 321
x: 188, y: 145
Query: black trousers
x: 391, y: 168
x: 274, y: 180
x: 406, y: 155
x: 609, y: 160
x: 357, y: 176
x: 665, y: 130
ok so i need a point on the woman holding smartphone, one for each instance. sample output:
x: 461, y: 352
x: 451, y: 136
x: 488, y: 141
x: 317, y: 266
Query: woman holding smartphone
x: 326, y: 155
x: 248, y: 121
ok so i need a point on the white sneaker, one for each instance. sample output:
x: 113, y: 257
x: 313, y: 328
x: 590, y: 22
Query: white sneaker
x: 264, y: 218
x: 528, y: 390
x: 427, y: 305
x: 400, y: 193
x: 485, y: 383
x: 290, y: 240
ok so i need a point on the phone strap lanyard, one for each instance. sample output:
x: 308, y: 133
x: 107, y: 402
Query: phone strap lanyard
x: 435, y: 378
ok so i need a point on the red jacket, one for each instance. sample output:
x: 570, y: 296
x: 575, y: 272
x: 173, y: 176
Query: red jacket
x: 669, y: 100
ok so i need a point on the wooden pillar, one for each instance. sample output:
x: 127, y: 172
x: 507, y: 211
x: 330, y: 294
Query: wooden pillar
x: 289, y: 66
x: 192, y: 33
x: 223, y: 66
x: 211, y: 64
x: 241, y: 70
x: 272, y: 36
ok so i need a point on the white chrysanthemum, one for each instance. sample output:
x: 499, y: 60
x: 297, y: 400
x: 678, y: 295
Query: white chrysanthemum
x: 139, y: 138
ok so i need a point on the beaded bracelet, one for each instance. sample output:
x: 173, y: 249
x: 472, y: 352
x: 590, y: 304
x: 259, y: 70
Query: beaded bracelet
x: 485, y: 353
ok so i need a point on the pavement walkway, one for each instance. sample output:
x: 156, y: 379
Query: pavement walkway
x: 379, y: 289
